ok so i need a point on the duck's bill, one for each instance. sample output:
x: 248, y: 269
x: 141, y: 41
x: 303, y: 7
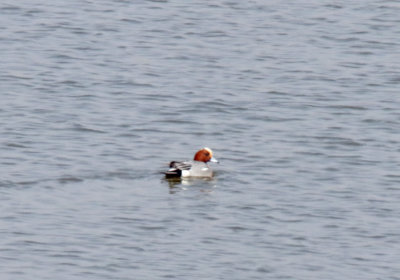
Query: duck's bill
x: 214, y: 160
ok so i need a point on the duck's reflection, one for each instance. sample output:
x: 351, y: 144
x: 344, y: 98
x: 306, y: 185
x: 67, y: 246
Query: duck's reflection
x: 181, y: 184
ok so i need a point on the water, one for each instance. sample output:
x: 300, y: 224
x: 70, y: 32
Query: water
x: 298, y: 99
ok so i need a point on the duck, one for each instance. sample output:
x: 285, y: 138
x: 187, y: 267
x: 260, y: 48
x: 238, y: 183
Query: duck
x: 198, y: 167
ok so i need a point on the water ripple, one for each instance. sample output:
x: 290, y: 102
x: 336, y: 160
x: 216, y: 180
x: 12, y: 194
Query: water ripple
x: 297, y: 100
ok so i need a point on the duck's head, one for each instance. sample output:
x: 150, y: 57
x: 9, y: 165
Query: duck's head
x: 205, y: 155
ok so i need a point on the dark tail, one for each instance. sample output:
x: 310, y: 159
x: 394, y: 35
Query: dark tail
x: 173, y: 173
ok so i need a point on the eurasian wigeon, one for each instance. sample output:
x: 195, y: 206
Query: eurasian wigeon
x: 196, y: 168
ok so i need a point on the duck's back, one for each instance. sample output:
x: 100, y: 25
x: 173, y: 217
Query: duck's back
x: 188, y: 169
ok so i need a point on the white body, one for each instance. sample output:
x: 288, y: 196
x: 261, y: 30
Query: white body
x: 197, y: 169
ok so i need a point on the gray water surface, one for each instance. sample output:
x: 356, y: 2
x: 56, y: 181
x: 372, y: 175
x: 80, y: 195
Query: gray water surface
x: 298, y: 99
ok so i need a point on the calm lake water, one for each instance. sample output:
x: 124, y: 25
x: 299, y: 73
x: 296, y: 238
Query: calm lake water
x: 298, y: 99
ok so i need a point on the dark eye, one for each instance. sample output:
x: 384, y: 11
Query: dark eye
x: 207, y: 154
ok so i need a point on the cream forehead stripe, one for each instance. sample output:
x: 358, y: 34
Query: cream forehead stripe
x: 208, y: 150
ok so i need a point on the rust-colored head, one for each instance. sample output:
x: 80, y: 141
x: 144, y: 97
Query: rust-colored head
x: 204, y: 155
